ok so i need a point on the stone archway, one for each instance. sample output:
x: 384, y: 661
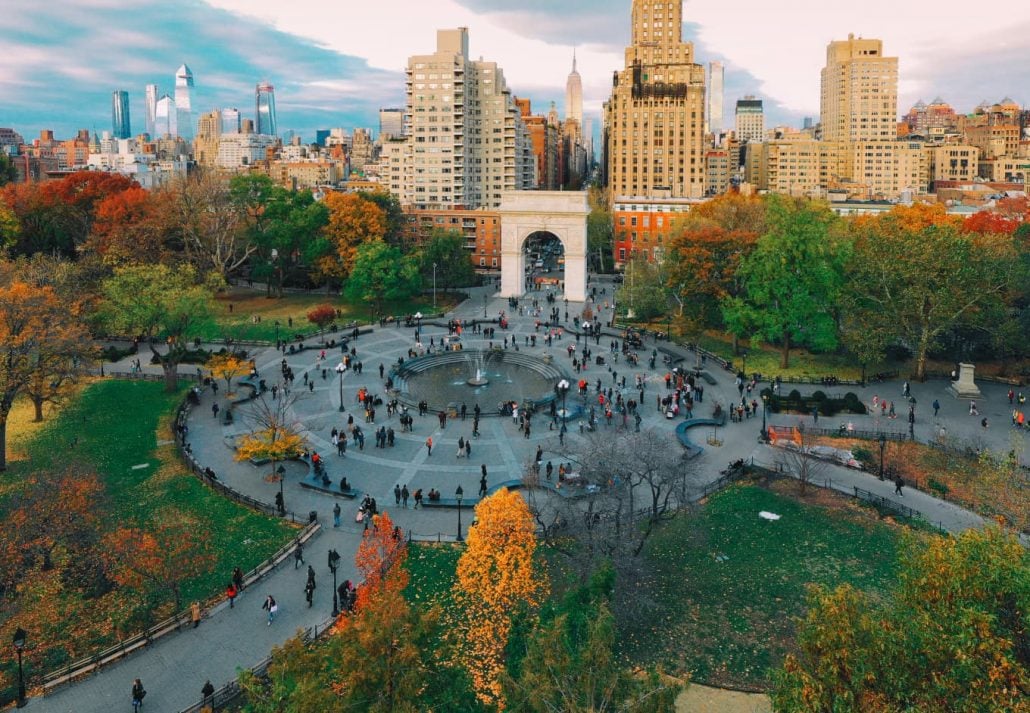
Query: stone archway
x: 563, y: 214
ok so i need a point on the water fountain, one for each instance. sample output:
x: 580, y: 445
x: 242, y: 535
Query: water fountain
x: 479, y: 377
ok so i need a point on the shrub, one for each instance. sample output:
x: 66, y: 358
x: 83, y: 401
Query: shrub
x: 938, y: 487
x: 794, y: 395
x: 863, y: 456
x: 827, y: 407
x: 818, y: 396
x: 322, y: 315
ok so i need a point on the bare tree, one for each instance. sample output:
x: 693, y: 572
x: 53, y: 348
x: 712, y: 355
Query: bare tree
x: 798, y: 459
x: 209, y: 224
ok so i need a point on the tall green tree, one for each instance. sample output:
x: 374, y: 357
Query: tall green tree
x: 161, y: 304
x: 381, y: 273
x: 952, y: 637
x: 396, y: 232
x: 792, y: 280
x: 446, y: 250
x: 912, y: 283
x: 8, y: 171
x: 642, y: 294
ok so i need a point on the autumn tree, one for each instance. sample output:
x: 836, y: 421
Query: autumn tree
x: 353, y: 221
x: 161, y: 304
x: 396, y: 232
x: 40, y: 338
x: 953, y: 635
x: 496, y: 579
x: 381, y: 273
x: 162, y: 556
x: 275, y: 434
x: 910, y: 285
x: 732, y: 212
x: 46, y: 224
x: 133, y: 227
x: 642, y: 294
x: 9, y: 227
x: 227, y: 366
x: 569, y: 663
x: 322, y: 315
x: 792, y: 280
x: 209, y: 224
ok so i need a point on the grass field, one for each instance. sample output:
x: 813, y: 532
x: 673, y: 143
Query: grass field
x: 726, y: 585
x: 111, y: 427
x: 240, y: 322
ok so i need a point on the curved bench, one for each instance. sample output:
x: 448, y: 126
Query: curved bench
x: 694, y: 450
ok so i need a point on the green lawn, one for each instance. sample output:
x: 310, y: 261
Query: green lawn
x: 111, y: 427
x: 432, y: 568
x: 731, y: 622
x: 248, y: 304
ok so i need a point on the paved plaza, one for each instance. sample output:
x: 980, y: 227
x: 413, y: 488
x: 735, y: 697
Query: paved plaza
x: 174, y: 669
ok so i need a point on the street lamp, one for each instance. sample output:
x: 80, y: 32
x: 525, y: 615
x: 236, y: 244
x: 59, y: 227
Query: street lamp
x: 765, y: 407
x: 484, y: 305
x: 19, y: 646
x: 563, y: 389
x: 434, y: 286
x: 883, y: 445
x: 281, y: 471
x: 340, y: 368
x: 334, y: 563
x: 458, y: 494
x: 743, y: 354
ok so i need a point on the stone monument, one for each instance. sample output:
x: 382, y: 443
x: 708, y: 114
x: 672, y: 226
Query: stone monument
x: 965, y: 387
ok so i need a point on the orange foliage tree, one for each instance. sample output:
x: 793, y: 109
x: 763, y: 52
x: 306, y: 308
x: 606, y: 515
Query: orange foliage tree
x: 990, y: 222
x: 276, y: 437
x: 379, y: 560
x: 39, y: 338
x: 353, y: 220
x: 227, y: 367
x: 131, y: 226
x: 496, y: 580
x: 164, y: 557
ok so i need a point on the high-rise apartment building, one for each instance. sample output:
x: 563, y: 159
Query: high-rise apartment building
x: 150, y: 108
x: 467, y: 140
x: 391, y: 124
x: 120, y: 125
x: 716, y: 81
x: 362, y: 149
x: 750, y: 120
x: 230, y: 120
x: 654, y: 120
x: 574, y: 94
x: 183, y: 102
x: 209, y: 132
x: 265, y: 109
x: 166, y: 118
x: 859, y: 99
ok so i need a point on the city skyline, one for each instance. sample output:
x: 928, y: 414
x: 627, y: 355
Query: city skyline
x: 325, y: 80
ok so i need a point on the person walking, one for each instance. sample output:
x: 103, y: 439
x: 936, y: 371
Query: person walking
x: 214, y: 410
x: 397, y: 494
x: 207, y: 692
x: 404, y: 496
x: 298, y: 556
x: 271, y: 607
x: 336, y: 515
x: 311, y: 574
x: 237, y: 578
x: 936, y: 407
x: 468, y: 448
x: 898, y: 483
x: 429, y: 446
x: 309, y: 593
x: 461, y: 447
x: 231, y: 592
x: 138, y: 694
x: 195, y: 614
x: 482, y: 486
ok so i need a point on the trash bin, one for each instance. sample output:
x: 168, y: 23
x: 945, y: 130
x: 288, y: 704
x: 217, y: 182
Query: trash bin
x: 313, y: 516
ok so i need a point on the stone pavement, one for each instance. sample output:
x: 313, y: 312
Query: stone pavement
x: 174, y: 669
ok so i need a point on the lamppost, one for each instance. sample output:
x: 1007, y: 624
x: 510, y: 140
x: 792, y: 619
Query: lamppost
x: 340, y: 368
x: 281, y: 471
x: 19, y: 646
x: 434, y: 286
x: 458, y: 494
x: 334, y: 563
x: 743, y: 354
x: 484, y: 305
x: 563, y: 389
x: 883, y: 445
x: 765, y: 407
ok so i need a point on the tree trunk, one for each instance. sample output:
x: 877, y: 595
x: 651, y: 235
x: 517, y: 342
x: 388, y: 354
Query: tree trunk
x: 785, y: 352
x: 924, y: 345
x: 3, y: 442
x: 37, y: 403
x: 171, y: 371
x: 736, y: 345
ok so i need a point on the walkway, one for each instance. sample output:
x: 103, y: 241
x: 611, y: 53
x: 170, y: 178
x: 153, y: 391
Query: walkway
x: 174, y: 669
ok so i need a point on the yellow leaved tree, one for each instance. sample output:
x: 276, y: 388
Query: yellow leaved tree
x: 496, y: 580
x: 275, y: 436
x: 228, y: 366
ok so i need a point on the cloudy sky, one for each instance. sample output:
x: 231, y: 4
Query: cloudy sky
x: 335, y: 62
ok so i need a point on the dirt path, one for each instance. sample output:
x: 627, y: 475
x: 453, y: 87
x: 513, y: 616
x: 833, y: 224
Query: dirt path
x: 702, y: 699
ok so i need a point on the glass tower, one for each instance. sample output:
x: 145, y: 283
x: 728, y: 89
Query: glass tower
x: 120, y: 128
x: 183, y: 106
x: 151, y: 108
x: 165, y: 117
x: 265, y: 109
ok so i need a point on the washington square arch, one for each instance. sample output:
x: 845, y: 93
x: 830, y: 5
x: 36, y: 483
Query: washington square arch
x: 562, y: 214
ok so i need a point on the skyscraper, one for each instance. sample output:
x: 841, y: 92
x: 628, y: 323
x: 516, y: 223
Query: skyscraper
x: 265, y: 109
x: 750, y: 120
x: 859, y: 92
x: 166, y: 118
x: 391, y: 124
x: 183, y: 105
x: 716, y: 79
x: 150, y: 108
x: 654, y: 119
x: 574, y: 94
x: 120, y: 126
x: 230, y: 121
